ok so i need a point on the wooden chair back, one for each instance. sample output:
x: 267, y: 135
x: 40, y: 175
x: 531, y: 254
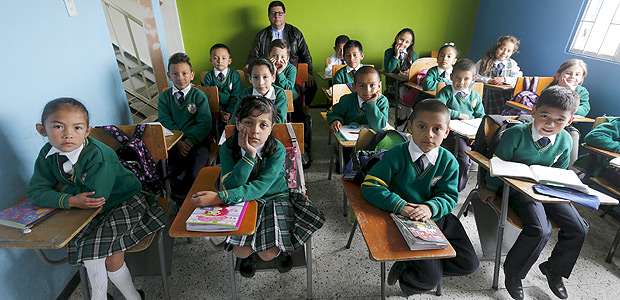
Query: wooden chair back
x: 490, y: 127
x: 335, y: 69
x: 242, y: 76
x: 543, y: 82
x: 302, y: 72
x: 601, y: 120
x: 281, y: 133
x: 153, y: 138
x: 202, y: 77
x: 213, y: 96
x: 363, y: 140
x: 435, y: 53
x: 421, y: 64
x: 339, y: 90
x: 478, y: 87
x: 289, y: 101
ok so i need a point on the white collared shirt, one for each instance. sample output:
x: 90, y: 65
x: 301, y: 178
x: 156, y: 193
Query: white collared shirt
x: 360, y: 102
x: 430, y: 157
x: 515, y: 71
x: 185, y: 91
x: 467, y: 91
x: 271, y: 94
x: 259, y: 150
x: 72, y: 156
x: 448, y: 72
x: 349, y: 69
x: 537, y: 136
x: 277, y: 34
x: 217, y: 72
x: 333, y: 60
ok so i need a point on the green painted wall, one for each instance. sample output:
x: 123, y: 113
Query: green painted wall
x: 236, y: 22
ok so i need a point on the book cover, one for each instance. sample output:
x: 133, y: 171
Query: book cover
x: 216, y: 218
x: 420, y: 235
x: 589, y: 201
x: 615, y: 162
x: 24, y: 214
x: 465, y: 127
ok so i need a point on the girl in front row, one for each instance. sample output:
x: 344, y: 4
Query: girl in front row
x: 74, y: 170
x: 252, y: 169
x: 497, y: 68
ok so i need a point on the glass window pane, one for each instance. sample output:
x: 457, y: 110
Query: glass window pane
x: 601, y: 26
x: 579, y: 41
x: 592, y: 10
x: 616, y: 18
x: 611, y: 42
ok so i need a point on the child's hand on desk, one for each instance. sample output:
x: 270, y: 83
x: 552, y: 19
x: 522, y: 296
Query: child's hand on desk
x: 418, y: 212
x: 463, y: 117
x: 335, y: 126
x: 206, y: 198
x: 497, y: 80
x: 83, y: 200
x: 183, y: 148
x: 244, y: 142
x: 486, y: 195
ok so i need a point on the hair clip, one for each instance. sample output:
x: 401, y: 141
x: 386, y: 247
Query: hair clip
x: 449, y: 44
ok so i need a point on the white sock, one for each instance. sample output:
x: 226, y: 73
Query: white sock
x: 98, y: 278
x: 122, y: 280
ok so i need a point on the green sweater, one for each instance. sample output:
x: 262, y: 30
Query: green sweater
x: 517, y: 145
x: 431, y: 80
x: 348, y: 111
x: 280, y: 103
x: 342, y: 76
x: 391, y: 64
x: 605, y: 136
x: 470, y: 105
x: 286, y: 79
x: 97, y: 170
x: 227, y: 89
x: 395, y: 181
x: 193, y: 116
x: 240, y: 182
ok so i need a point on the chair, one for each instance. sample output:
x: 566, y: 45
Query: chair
x: 434, y: 53
x: 335, y: 69
x: 155, y: 142
x: 302, y: 72
x: 213, y: 97
x: 421, y: 64
x: 299, y: 260
x: 478, y: 87
x: 543, y: 82
x: 339, y: 90
x: 202, y: 77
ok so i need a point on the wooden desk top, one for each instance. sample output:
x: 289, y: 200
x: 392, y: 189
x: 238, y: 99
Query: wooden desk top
x: 501, y: 87
x: 339, y: 137
x: 381, y: 235
x: 171, y: 140
x: 53, y: 232
x: 419, y: 88
x: 206, y: 181
x: 326, y: 92
x: 396, y: 76
x: 322, y: 75
x: 527, y: 187
x: 601, y: 151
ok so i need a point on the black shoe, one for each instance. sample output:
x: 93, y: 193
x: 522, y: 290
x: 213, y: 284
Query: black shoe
x: 555, y: 281
x: 514, y: 287
x: 398, y: 268
x: 142, y: 295
x: 247, y: 266
x: 285, y: 262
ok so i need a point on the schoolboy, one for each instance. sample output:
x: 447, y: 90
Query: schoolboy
x: 227, y: 80
x: 541, y: 142
x: 338, y: 57
x: 418, y: 179
x: 353, y: 55
x: 464, y: 104
x: 185, y: 108
x: 366, y: 105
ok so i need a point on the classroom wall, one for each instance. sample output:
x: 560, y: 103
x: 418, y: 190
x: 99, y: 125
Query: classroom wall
x: 545, y: 29
x: 235, y: 23
x: 47, y: 54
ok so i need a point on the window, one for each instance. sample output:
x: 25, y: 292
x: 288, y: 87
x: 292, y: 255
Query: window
x: 598, y: 33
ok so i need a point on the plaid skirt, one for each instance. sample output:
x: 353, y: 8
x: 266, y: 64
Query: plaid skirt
x: 116, y: 230
x: 494, y: 100
x: 286, y: 221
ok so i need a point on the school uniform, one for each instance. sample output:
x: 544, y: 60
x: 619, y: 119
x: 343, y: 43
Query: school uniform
x: 126, y: 217
x: 345, y: 75
x: 392, y: 64
x: 605, y: 136
x: 228, y: 86
x: 396, y: 180
x: 522, y: 143
x: 351, y: 109
x: 275, y: 94
x: 495, y: 99
x: 286, y: 80
x: 433, y: 76
x: 285, y: 220
x: 469, y: 103
x: 333, y: 61
x: 584, y: 100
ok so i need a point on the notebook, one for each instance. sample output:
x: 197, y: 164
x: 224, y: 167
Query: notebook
x: 24, y: 214
x: 216, y: 218
x: 420, y: 235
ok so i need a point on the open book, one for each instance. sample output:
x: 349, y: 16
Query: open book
x: 351, y: 134
x: 540, y: 174
x: 465, y: 127
x: 24, y: 214
x: 420, y: 235
x: 615, y: 162
x: 216, y: 218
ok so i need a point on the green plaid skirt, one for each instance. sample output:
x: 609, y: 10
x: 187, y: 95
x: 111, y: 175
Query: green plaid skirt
x: 495, y: 99
x: 286, y: 221
x: 116, y: 230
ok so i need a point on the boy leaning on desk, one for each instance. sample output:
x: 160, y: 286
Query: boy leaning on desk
x: 541, y: 142
x: 419, y: 179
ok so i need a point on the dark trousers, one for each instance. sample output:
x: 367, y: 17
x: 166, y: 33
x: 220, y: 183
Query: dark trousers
x: 184, y: 170
x: 462, y: 158
x: 300, y: 115
x: 535, y: 234
x: 424, y: 275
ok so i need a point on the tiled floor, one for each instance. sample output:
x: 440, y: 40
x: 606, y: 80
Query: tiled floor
x: 200, y: 272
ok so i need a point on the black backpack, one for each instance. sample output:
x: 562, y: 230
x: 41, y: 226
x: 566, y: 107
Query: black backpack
x: 134, y: 156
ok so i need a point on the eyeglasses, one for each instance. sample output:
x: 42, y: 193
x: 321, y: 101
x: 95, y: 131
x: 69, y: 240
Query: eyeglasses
x: 276, y: 13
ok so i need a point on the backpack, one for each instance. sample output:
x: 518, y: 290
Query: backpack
x: 526, y: 97
x: 410, y: 98
x: 135, y: 157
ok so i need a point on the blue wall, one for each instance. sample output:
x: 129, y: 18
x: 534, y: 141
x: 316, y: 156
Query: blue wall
x: 47, y: 54
x: 545, y: 29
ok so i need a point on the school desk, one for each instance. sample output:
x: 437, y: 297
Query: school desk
x: 526, y: 188
x: 322, y: 76
x: 342, y: 143
x: 382, y: 237
x: 500, y: 86
x: 419, y: 88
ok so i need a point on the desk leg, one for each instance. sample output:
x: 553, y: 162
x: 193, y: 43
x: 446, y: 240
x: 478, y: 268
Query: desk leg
x: 345, y: 210
x: 331, y: 164
x: 309, y: 268
x: 231, y: 273
x: 341, y: 156
x: 162, y: 264
x: 348, y: 246
x: 383, y: 280
x: 456, y: 145
x: 500, y: 235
